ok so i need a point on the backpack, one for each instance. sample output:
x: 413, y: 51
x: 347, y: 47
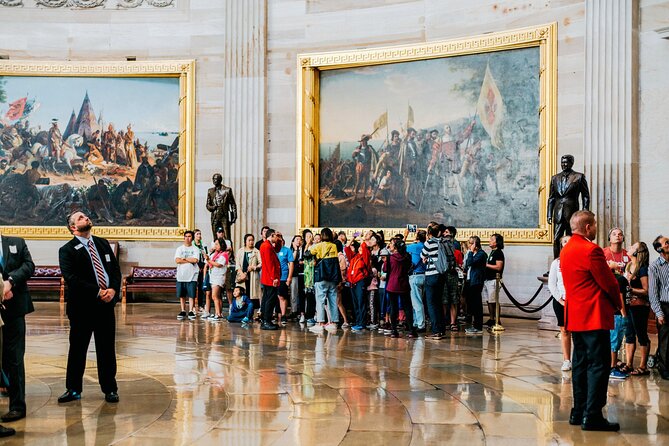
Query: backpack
x: 445, y: 262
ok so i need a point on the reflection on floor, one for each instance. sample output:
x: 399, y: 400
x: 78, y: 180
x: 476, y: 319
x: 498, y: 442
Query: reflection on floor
x: 198, y: 382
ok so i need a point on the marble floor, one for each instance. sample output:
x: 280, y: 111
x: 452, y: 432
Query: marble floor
x: 218, y: 383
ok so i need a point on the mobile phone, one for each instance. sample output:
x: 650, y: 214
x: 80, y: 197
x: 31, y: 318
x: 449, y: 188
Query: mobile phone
x: 356, y: 234
x: 412, y: 228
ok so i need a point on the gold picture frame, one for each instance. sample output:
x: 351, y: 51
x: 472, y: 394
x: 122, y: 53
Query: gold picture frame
x: 179, y: 76
x: 311, y: 66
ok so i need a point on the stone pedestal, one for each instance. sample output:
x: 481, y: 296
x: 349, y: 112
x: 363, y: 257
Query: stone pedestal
x: 548, y: 320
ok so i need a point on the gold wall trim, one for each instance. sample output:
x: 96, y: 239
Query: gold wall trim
x: 182, y: 69
x: 310, y: 64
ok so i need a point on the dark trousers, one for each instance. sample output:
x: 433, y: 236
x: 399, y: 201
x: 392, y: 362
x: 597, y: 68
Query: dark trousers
x: 662, y: 342
x: 394, y: 299
x: 103, y: 325
x: 434, y: 289
x: 309, y: 304
x: 270, y: 297
x: 13, y: 350
x: 475, y: 304
x: 591, y: 365
x: 359, y: 302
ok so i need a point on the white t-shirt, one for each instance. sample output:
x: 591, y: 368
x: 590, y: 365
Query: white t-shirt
x: 187, y: 272
x: 217, y: 273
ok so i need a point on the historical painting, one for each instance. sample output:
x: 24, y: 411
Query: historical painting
x: 112, y: 146
x: 455, y: 139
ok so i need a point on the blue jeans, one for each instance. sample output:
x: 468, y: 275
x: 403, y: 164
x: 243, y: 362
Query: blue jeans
x: 326, y: 294
x: 434, y: 289
x: 237, y: 316
x: 417, y: 284
x: 359, y: 302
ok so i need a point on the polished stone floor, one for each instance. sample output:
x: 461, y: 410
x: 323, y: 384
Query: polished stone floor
x: 216, y: 383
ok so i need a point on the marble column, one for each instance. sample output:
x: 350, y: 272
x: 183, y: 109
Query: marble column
x: 611, y: 130
x: 244, y: 104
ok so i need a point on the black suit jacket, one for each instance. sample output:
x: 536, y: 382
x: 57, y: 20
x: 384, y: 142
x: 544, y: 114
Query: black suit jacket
x: 19, y: 265
x: 79, y: 274
x: 561, y: 206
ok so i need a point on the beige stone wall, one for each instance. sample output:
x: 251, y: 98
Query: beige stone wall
x: 191, y: 30
x: 653, y: 128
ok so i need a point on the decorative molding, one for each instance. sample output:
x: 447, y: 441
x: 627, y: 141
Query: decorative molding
x: 32, y: 68
x: 88, y: 4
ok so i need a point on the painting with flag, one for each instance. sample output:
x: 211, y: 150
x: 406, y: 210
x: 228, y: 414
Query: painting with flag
x: 453, y: 138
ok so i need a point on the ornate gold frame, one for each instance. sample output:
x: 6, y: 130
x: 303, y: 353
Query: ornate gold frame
x: 185, y: 71
x: 311, y: 64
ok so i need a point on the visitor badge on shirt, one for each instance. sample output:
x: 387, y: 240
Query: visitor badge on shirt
x: 107, y: 258
x: 79, y: 246
x: 12, y: 249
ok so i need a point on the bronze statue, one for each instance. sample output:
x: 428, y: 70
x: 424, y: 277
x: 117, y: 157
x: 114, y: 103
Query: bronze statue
x: 221, y: 204
x: 563, y: 199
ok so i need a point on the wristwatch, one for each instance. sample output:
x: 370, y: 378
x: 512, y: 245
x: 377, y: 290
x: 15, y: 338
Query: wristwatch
x: 10, y: 279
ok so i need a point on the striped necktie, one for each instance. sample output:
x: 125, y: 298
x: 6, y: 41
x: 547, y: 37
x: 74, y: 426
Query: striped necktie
x: 99, y: 272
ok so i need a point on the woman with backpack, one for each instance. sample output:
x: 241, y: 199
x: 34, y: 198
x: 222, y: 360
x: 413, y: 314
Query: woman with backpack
x: 397, y: 288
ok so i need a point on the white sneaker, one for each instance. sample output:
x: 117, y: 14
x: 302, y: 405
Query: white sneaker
x: 331, y: 327
x: 345, y: 325
x: 204, y: 315
x: 302, y: 319
x: 566, y: 365
x: 318, y: 328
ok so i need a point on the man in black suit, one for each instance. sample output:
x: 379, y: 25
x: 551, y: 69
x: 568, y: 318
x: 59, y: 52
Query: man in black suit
x: 565, y: 188
x: 93, y: 279
x: 17, y: 267
x: 221, y: 204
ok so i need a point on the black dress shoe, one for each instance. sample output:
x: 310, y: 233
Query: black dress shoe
x: 111, y: 397
x: 599, y: 424
x: 69, y: 395
x: 575, y: 417
x: 6, y: 431
x: 266, y: 326
x: 13, y: 415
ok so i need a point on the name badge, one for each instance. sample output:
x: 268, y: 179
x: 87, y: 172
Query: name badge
x: 12, y: 249
x: 107, y: 258
x: 79, y: 246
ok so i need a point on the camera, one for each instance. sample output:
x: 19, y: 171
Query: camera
x: 412, y: 228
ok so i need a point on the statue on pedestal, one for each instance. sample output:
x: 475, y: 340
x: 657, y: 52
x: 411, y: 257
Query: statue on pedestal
x: 221, y: 204
x: 565, y: 189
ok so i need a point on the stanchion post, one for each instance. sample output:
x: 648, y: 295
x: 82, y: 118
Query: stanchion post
x: 497, y: 327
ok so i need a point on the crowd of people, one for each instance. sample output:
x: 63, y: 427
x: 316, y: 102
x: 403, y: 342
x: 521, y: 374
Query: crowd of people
x: 329, y: 281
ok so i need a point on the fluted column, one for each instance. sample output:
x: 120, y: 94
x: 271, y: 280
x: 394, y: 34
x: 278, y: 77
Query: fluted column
x: 611, y: 140
x: 244, y: 111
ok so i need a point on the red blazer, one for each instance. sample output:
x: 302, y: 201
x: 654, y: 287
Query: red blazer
x: 592, y: 292
x: 271, y: 268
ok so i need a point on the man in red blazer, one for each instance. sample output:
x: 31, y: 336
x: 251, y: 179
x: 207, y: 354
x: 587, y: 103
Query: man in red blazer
x: 592, y: 298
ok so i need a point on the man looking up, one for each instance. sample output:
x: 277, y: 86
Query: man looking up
x: 658, y: 292
x: 186, y: 257
x: 593, y: 297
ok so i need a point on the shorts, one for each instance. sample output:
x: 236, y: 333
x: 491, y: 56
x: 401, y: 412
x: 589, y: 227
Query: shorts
x: 559, y: 312
x: 187, y: 289
x: 283, y: 289
x: 617, y: 333
x: 450, y: 295
x: 488, y: 292
x: 217, y: 281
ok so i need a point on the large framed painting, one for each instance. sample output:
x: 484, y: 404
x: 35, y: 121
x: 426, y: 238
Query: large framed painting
x: 113, y: 139
x: 461, y: 132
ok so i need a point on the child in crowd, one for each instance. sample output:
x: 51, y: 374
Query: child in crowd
x: 241, y: 309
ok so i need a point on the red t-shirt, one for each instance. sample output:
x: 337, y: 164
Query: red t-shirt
x: 621, y: 258
x: 271, y: 268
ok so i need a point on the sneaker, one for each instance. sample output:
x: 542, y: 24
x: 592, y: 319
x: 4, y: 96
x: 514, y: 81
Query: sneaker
x: 435, y: 337
x: 205, y: 315
x: 473, y: 331
x: 345, y: 325
x: 200, y: 310
x: 191, y: 315
x: 283, y: 323
x: 372, y: 326
x: 332, y: 327
x: 181, y: 316
x: 356, y: 328
x: 566, y: 365
x: 311, y: 322
x: 318, y: 328
x: 387, y: 331
x: 617, y: 374
x: 245, y: 320
x: 302, y: 319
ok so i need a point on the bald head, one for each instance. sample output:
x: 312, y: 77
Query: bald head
x: 584, y: 223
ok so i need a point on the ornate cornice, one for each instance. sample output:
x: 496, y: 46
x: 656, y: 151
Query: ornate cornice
x: 88, y: 4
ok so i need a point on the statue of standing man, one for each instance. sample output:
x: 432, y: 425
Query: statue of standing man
x: 566, y: 186
x: 221, y: 204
